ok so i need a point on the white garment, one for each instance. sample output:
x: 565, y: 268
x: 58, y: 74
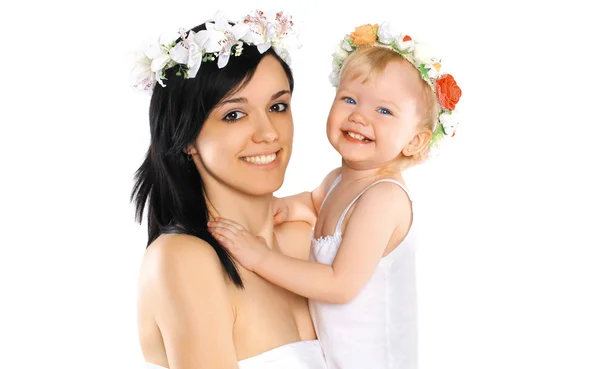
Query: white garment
x: 295, y: 355
x: 378, y: 328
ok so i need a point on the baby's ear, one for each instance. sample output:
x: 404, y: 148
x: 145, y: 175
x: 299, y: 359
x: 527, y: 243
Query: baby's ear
x: 418, y: 143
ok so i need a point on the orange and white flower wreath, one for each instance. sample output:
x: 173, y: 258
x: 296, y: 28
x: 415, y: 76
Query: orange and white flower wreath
x: 418, y: 54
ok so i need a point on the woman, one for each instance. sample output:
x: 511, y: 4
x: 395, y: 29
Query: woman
x: 221, y: 139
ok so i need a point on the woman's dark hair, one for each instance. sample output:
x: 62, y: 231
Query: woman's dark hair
x: 167, y: 184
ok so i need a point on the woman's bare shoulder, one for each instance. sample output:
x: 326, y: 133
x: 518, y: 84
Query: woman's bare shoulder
x: 172, y: 255
x: 184, y: 294
x: 175, y: 245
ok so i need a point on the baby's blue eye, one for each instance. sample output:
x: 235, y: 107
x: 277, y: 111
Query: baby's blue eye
x: 349, y: 100
x: 384, y: 111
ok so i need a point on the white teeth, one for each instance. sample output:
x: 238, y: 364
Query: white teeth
x: 260, y: 159
x: 356, y: 136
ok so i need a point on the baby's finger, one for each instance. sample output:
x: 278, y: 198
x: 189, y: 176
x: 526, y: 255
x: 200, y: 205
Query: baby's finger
x: 221, y: 224
x: 231, y: 223
x: 224, y: 241
x: 223, y: 231
x: 279, y: 218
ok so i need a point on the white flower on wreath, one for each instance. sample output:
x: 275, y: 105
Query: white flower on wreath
x: 149, y: 66
x: 159, y: 54
x: 423, y: 53
x: 190, y: 50
x: 346, y: 45
x: 283, y: 36
x: 222, y: 36
x: 403, y: 45
x: 449, y: 122
x: 275, y: 30
x: 258, y: 34
x: 334, y: 78
x: 386, y: 33
x: 340, y: 55
x: 335, y: 66
x: 143, y: 77
x: 435, y: 68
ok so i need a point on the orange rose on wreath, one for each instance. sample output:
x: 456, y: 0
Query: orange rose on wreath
x: 364, y: 35
x: 448, y: 91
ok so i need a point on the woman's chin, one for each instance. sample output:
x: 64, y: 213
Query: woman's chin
x: 260, y: 186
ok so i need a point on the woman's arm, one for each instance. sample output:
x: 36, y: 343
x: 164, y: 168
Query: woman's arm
x: 193, y: 311
x: 380, y: 211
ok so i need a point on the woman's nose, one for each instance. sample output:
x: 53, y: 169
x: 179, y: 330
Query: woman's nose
x: 265, y: 131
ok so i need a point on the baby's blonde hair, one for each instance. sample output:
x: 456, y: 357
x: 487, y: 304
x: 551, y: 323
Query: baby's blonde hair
x: 369, y: 60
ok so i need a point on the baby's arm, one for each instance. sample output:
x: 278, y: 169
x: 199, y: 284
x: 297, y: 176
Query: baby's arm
x: 379, y: 211
x: 304, y: 206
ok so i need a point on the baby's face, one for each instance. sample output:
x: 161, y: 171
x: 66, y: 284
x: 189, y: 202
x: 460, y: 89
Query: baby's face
x: 373, y: 119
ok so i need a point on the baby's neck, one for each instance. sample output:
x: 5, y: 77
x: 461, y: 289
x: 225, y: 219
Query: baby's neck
x: 351, y: 174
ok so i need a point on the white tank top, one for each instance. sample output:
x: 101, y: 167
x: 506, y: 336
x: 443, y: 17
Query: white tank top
x: 378, y: 328
x: 295, y: 355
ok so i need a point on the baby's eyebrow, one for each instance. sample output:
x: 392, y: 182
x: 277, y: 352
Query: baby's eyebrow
x: 387, y: 102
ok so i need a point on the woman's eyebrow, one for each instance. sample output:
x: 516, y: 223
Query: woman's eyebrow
x: 242, y: 100
x: 279, y: 94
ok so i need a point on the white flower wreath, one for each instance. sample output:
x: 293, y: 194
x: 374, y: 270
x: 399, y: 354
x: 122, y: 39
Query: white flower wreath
x: 219, y: 41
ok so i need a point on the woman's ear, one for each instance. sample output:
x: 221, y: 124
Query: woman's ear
x: 190, y: 150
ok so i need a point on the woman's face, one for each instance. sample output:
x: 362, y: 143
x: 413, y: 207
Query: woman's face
x: 246, y: 141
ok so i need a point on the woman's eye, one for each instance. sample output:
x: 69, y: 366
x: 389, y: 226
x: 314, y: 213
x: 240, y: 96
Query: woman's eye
x: 349, y: 100
x: 233, y: 116
x: 279, y: 107
x: 384, y: 111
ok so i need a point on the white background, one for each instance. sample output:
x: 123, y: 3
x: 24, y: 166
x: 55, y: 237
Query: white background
x: 508, y: 270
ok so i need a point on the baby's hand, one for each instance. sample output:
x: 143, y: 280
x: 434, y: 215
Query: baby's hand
x: 247, y: 249
x: 280, y: 211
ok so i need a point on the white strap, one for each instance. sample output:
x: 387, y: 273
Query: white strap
x: 338, y: 228
x: 337, y: 180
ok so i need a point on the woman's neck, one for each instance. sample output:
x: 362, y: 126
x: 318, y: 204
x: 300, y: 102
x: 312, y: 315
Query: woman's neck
x: 255, y: 213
